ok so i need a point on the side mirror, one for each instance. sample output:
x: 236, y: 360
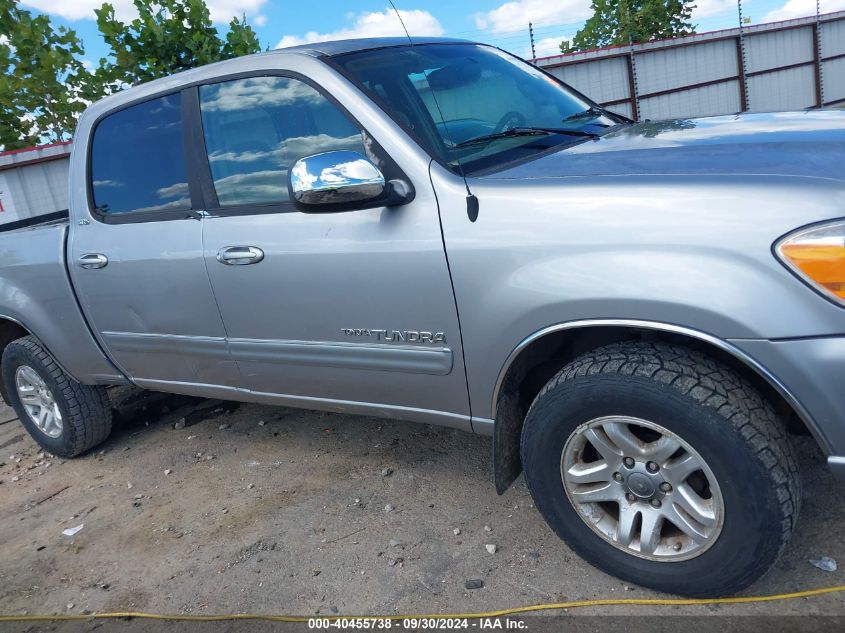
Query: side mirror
x: 342, y: 181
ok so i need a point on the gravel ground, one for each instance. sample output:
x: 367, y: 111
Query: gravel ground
x: 271, y: 510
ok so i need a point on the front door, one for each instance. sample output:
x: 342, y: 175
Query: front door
x: 344, y: 311
x: 136, y: 257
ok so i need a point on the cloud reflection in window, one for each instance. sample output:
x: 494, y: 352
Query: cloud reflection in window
x: 257, y: 128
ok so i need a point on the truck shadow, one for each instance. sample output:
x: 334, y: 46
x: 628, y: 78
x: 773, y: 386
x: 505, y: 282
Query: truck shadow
x: 134, y: 408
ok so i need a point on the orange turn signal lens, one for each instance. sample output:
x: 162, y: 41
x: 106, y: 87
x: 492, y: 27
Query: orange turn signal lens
x: 818, y: 256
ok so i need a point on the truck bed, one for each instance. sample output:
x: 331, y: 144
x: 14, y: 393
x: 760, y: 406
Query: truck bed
x: 48, y: 219
x: 36, y: 291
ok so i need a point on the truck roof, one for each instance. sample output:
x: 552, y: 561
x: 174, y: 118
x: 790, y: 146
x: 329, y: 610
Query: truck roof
x: 340, y: 47
x: 313, y: 50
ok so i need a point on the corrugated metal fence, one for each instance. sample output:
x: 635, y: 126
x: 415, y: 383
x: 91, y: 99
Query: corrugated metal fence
x: 33, y: 182
x: 767, y: 67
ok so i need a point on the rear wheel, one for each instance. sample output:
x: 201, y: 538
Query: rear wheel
x: 65, y: 417
x: 660, y: 466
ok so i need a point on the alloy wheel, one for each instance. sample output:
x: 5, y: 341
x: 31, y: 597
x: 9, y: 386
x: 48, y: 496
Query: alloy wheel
x: 38, y: 401
x: 642, y: 488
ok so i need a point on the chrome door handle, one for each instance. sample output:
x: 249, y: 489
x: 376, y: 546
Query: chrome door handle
x: 93, y: 260
x: 240, y: 255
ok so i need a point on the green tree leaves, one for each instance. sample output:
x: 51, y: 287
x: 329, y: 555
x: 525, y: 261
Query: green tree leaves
x: 240, y: 40
x: 40, y: 87
x: 623, y: 21
x: 168, y: 36
x: 44, y: 85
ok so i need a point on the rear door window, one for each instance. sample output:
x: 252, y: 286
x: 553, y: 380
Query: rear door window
x: 138, y: 160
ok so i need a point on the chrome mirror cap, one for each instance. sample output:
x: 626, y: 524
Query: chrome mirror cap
x: 335, y: 178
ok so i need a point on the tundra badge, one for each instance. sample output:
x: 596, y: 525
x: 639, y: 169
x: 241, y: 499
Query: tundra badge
x: 396, y: 336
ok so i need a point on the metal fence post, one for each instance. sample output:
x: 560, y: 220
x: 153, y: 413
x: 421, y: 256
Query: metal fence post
x: 744, y: 101
x: 531, y: 35
x: 632, y: 80
x: 817, y: 57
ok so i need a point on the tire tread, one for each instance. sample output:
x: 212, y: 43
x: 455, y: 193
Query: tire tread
x: 710, y: 385
x: 89, y: 406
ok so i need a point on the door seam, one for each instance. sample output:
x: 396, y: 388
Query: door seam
x: 203, y: 219
x: 454, y: 294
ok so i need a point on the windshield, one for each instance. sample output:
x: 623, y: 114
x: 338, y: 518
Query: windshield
x: 473, y: 106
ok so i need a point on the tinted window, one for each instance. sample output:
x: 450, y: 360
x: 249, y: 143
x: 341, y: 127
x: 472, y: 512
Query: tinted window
x: 256, y: 128
x: 137, y: 161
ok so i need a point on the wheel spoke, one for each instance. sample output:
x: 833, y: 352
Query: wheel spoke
x: 652, y: 523
x: 43, y: 414
x: 593, y: 472
x: 30, y: 378
x: 627, y: 519
x: 605, y: 447
x: 30, y: 398
x: 53, y: 423
x: 682, y: 521
x: 699, y: 509
x: 677, y: 470
x: 597, y: 492
x: 661, y: 450
x: 621, y: 435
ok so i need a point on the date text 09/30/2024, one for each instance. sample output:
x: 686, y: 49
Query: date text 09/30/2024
x: 415, y: 624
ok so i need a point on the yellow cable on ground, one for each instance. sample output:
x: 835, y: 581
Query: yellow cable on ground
x: 577, y: 604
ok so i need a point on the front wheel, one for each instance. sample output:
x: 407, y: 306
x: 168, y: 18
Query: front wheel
x: 660, y: 466
x: 65, y: 417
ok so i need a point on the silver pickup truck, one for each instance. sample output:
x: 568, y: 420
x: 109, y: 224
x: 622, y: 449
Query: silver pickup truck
x: 639, y: 314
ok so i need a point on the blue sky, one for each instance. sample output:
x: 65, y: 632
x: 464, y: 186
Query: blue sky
x: 500, y: 22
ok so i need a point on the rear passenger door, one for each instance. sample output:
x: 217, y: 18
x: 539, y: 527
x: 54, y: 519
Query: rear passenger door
x: 136, y: 258
x: 333, y: 307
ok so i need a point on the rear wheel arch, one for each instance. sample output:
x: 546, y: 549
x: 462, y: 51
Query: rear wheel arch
x: 540, y: 356
x: 10, y: 330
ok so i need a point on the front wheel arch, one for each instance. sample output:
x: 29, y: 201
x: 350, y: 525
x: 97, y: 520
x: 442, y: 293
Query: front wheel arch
x: 541, y: 355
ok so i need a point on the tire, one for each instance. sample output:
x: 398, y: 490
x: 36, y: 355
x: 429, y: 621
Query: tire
x: 747, y: 512
x: 84, y: 419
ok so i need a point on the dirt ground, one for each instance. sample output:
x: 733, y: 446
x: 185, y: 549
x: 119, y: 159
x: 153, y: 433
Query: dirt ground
x: 271, y: 510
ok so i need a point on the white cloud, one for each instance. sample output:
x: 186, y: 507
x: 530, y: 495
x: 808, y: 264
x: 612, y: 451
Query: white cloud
x: 258, y: 92
x: 225, y: 10
x: 514, y: 16
x: 547, y: 46
x: 803, y: 8
x: 707, y: 8
x: 177, y: 189
x: 79, y: 9
x: 260, y: 20
x: 375, y: 24
x: 221, y: 10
